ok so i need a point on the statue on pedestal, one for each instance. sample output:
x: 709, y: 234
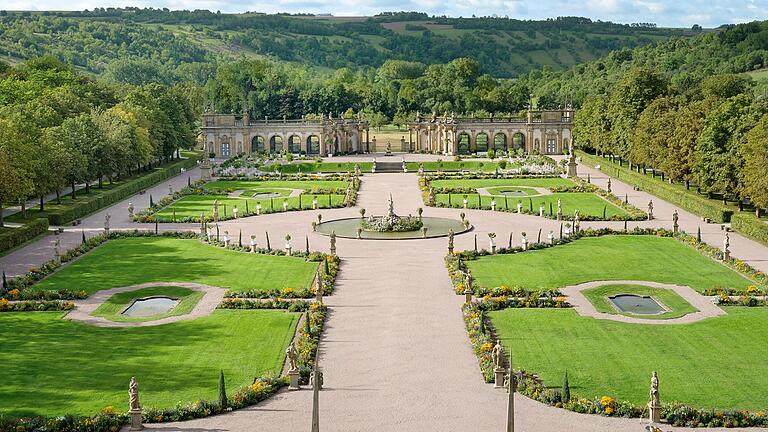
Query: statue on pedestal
x: 450, y: 241
x: 675, y: 224
x: 107, y: 217
x: 654, y: 405
x: 497, y: 355
x: 650, y: 210
x: 293, y: 357
x: 333, y: 242
x: 133, y: 395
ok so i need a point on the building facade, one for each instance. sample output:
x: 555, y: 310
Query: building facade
x: 228, y: 135
x: 544, y: 132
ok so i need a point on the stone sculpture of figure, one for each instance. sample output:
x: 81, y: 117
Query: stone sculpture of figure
x: 609, y: 184
x: 130, y: 210
x: 170, y: 189
x: 497, y: 355
x: 655, y: 400
x: 293, y: 357
x: 450, y: 241
x: 333, y: 242
x: 107, y: 217
x: 216, y: 210
x: 726, y: 242
x: 675, y: 219
x: 234, y: 212
x: 133, y: 395
x: 253, y: 243
x: 559, y: 206
x: 57, y: 248
x: 576, y: 222
x: 650, y: 209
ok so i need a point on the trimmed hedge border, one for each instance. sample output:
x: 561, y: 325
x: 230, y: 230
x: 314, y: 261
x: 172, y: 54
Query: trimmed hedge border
x: 689, y: 201
x: 25, y: 233
x: 750, y: 226
x: 85, y: 206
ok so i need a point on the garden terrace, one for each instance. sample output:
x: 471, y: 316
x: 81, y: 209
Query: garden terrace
x: 610, y: 257
x: 130, y: 261
x: 178, y: 362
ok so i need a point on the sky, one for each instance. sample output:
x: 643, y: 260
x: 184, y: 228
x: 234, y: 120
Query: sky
x: 665, y: 13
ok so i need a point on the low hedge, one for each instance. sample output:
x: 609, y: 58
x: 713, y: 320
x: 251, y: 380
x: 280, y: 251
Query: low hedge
x: 750, y: 226
x: 17, y: 236
x: 88, y: 205
x: 689, y: 201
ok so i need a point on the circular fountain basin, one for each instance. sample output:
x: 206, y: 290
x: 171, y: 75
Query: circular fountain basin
x: 637, y: 304
x: 150, y: 306
x: 436, y: 227
x: 260, y: 195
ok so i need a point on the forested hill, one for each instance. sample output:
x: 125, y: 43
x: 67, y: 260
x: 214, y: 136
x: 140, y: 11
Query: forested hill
x: 168, y: 45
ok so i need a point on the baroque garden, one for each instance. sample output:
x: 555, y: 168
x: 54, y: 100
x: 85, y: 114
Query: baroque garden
x: 220, y: 269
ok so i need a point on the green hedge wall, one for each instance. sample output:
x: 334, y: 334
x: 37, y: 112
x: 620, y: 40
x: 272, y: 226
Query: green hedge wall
x: 689, y: 201
x: 85, y: 206
x: 17, y: 236
x: 752, y: 227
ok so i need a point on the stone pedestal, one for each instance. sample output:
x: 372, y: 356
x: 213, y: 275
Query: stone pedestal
x: 293, y: 380
x: 726, y: 255
x: 572, y: 167
x: 654, y: 413
x: 468, y: 295
x: 135, y: 420
x: 498, y: 377
x: 205, y: 170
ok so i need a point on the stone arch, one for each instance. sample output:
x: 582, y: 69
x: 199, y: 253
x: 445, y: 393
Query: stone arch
x: 294, y: 144
x: 313, y: 144
x: 462, y: 143
x: 275, y: 143
x: 500, y: 141
x: 518, y: 140
x: 257, y: 144
x: 481, y: 142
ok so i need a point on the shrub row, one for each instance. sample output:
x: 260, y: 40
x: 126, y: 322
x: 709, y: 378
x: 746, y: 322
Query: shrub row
x: 87, y: 205
x: 750, y: 226
x: 687, y: 200
x: 34, y: 306
x: 16, y: 236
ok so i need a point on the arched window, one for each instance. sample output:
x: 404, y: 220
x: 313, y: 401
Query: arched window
x: 500, y: 142
x: 518, y: 141
x: 276, y: 144
x: 294, y: 144
x: 463, y: 143
x: 313, y: 144
x: 481, y: 142
x: 257, y: 144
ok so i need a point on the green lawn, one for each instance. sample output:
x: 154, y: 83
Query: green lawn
x: 615, y: 257
x: 676, y: 305
x: 307, y: 185
x: 53, y: 366
x: 114, y: 306
x: 324, y: 167
x: 715, y: 363
x: 545, y: 182
x: 150, y: 259
x: 191, y: 206
x: 588, y: 204
x: 455, y: 166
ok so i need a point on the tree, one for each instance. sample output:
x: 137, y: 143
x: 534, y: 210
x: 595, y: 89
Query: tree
x: 223, y: 401
x: 653, y: 132
x: 680, y: 156
x: 11, y: 183
x: 591, y: 126
x: 566, y: 393
x: 631, y: 95
x: 755, y: 171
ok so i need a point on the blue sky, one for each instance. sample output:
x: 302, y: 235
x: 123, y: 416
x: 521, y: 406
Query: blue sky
x: 681, y: 13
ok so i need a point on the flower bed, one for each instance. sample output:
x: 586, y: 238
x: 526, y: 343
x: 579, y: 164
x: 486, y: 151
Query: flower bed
x: 384, y: 224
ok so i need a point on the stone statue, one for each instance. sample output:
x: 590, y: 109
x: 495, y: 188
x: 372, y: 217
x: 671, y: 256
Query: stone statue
x: 726, y: 246
x: 655, y: 401
x: 333, y: 242
x: 576, y: 222
x: 130, y: 210
x: 107, y: 217
x: 450, y: 241
x: 253, y: 243
x: 650, y: 209
x: 293, y: 357
x: 216, y: 210
x: 675, y: 218
x: 609, y: 184
x: 497, y: 355
x: 133, y: 395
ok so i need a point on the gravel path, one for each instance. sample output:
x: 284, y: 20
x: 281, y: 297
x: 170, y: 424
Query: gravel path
x: 706, y: 309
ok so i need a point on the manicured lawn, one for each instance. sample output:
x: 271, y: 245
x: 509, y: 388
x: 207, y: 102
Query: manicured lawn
x: 191, y: 206
x: 307, y: 185
x: 455, y: 166
x: 324, y: 167
x: 149, y: 259
x: 676, y: 305
x: 588, y: 204
x: 546, y: 182
x: 52, y: 366
x: 114, y: 306
x: 715, y: 363
x: 614, y: 257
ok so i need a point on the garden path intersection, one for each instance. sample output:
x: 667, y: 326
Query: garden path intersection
x: 395, y: 352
